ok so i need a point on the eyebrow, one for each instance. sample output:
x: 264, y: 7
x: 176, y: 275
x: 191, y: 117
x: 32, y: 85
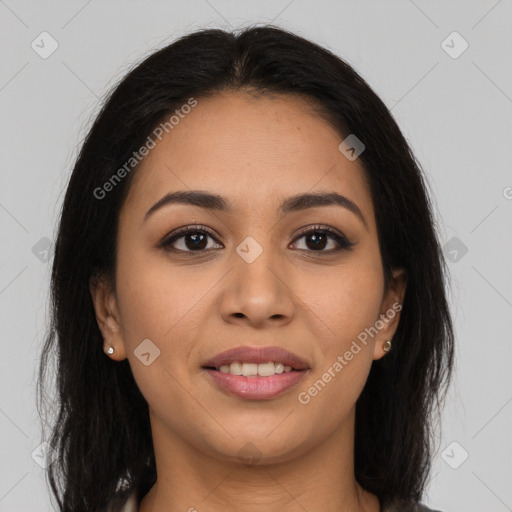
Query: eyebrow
x: 291, y: 204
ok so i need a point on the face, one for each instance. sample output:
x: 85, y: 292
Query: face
x: 249, y: 275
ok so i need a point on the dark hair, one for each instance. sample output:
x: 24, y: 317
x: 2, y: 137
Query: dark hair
x: 102, y: 433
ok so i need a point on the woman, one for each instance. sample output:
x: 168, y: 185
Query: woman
x: 248, y: 292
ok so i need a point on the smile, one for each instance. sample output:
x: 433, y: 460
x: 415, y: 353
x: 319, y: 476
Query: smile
x: 255, y: 387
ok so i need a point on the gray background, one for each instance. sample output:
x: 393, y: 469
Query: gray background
x: 456, y: 113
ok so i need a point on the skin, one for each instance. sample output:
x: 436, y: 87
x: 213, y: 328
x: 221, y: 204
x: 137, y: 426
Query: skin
x: 255, y: 151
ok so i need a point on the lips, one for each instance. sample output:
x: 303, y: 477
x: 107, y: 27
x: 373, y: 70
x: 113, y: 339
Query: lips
x: 257, y: 355
x: 256, y: 388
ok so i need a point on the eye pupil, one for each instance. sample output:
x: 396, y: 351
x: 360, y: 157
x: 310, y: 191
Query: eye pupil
x: 197, y: 237
x: 316, y: 237
x: 196, y: 240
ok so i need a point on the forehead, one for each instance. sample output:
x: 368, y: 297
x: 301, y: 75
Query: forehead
x: 253, y: 150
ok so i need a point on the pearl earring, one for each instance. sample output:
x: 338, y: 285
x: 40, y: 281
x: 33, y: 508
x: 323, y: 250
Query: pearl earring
x: 110, y: 350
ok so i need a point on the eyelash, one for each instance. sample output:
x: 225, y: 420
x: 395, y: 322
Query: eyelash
x: 343, y: 241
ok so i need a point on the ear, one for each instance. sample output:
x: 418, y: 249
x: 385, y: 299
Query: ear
x: 107, y: 316
x: 387, y: 323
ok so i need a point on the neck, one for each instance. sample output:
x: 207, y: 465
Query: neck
x: 314, y: 478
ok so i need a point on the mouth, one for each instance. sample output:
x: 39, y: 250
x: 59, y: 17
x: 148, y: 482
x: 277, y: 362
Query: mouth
x: 250, y: 361
x: 255, y: 387
x: 256, y: 373
x: 267, y: 369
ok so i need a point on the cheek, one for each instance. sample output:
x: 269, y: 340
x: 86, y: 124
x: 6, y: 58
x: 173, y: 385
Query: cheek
x: 351, y: 307
x: 153, y: 296
x: 144, y: 307
x: 167, y: 305
x: 162, y: 306
x: 347, y: 299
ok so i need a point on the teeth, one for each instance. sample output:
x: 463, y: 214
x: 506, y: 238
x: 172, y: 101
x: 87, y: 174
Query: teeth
x: 266, y: 369
x: 248, y: 369
x: 279, y: 367
x: 253, y: 369
x: 234, y: 368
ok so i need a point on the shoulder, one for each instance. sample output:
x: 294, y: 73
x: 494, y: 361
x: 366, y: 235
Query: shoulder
x: 408, y: 506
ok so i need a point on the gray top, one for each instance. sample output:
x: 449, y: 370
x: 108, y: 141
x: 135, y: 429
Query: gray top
x: 131, y: 505
x: 408, y: 507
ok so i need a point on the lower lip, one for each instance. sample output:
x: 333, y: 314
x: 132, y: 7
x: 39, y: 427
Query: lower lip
x: 255, y: 387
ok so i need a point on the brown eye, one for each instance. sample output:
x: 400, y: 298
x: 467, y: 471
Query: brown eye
x: 317, y: 239
x: 194, y: 240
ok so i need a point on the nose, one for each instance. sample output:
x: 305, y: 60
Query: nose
x: 258, y: 292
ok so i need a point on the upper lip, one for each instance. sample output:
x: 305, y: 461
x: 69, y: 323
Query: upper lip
x: 257, y: 355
